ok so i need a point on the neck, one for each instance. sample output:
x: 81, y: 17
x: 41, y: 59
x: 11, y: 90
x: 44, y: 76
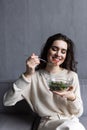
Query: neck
x: 53, y: 69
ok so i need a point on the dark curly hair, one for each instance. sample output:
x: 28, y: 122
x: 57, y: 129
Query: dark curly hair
x: 69, y: 63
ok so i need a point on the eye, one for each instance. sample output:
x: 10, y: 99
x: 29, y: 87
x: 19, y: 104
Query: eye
x: 54, y: 48
x: 63, y: 51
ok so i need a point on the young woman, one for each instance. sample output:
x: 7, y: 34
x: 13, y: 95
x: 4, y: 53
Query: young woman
x: 59, y: 110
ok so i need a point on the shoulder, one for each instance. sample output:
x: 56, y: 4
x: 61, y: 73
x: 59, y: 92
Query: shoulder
x: 73, y: 73
x: 70, y: 73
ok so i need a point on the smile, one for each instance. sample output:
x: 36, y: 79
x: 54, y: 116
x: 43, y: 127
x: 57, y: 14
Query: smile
x: 56, y: 58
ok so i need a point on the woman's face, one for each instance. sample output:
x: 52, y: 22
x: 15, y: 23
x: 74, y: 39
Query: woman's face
x: 57, y: 52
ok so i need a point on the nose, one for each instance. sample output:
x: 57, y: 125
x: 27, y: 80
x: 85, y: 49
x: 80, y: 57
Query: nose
x: 58, y: 53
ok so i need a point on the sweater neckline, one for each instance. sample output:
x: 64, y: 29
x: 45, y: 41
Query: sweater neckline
x: 52, y: 74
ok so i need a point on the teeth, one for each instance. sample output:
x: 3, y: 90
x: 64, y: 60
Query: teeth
x: 59, y: 58
x: 56, y: 58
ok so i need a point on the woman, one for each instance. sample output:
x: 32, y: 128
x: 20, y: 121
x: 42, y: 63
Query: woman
x: 59, y: 110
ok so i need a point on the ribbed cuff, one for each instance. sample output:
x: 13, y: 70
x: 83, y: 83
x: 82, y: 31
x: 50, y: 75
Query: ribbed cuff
x: 28, y: 80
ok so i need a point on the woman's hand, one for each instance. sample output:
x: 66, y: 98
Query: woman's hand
x: 69, y: 94
x: 31, y: 63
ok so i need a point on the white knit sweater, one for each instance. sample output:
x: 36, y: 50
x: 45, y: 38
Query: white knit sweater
x: 41, y: 99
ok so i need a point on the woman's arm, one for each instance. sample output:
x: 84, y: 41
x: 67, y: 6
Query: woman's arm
x: 14, y: 94
x: 75, y: 107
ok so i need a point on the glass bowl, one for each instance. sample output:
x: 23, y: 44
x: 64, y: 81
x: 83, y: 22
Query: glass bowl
x: 59, y: 84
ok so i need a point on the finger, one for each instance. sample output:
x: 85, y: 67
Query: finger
x: 32, y: 62
x: 34, y: 56
x: 70, y: 88
x: 59, y: 93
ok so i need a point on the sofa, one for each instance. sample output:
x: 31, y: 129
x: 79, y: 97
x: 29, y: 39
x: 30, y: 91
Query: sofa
x: 22, y: 117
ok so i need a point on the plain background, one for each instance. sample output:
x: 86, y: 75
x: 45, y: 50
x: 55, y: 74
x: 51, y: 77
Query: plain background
x: 25, y: 26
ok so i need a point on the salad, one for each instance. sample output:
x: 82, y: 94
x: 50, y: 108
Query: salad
x: 58, y: 85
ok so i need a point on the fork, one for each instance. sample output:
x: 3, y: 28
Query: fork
x: 43, y: 60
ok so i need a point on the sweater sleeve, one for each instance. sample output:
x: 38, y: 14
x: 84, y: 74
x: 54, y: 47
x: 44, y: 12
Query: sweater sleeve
x: 76, y: 107
x: 15, y: 93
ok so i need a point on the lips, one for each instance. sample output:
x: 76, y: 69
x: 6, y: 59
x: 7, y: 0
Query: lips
x: 55, y: 60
